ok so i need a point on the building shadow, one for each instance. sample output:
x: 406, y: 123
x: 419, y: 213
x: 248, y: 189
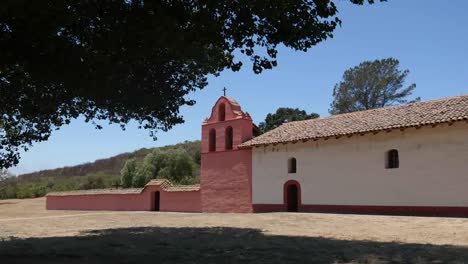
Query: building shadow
x: 216, y: 245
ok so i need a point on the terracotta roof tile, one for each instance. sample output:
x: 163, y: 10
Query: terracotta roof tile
x: 183, y: 188
x: 157, y: 182
x: 444, y: 110
x: 164, y: 184
x: 98, y: 191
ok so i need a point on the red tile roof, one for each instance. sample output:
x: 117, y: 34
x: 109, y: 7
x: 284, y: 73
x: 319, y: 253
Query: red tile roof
x: 444, y: 110
x: 183, y: 188
x: 98, y: 191
x: 164, y: 184
x: 167, y: 186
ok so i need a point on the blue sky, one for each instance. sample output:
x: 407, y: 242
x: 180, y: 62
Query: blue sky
x: 429, y: 37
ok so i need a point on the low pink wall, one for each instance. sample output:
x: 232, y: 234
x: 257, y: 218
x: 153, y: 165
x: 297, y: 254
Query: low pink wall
x: 181, y: 202
x: 184, y: 201
x: 121, y: 202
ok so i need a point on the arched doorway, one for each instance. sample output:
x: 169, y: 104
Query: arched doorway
x: 292, y: 196
x: 156, y: 201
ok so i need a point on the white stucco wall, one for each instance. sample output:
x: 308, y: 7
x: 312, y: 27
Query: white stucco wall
x: 351, y: 171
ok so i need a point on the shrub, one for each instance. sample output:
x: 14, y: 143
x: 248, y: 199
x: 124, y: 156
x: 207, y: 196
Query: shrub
x: 139, y: 181
x: 174, y: 165
x: 128, y: 172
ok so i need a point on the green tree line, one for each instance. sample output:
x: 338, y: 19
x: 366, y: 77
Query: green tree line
x: 11, y: 188
x: 175, y: 165
x: 179, y: 163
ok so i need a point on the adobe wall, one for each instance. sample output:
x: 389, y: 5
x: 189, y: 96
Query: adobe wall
x: 105, y: 202
x: 189, y: 202
x: 174, y: 201
x: 226, y: 181
x: 349, y: 174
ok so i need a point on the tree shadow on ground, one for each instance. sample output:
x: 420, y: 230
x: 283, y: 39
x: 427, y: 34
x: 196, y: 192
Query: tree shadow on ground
x: 216, y: 245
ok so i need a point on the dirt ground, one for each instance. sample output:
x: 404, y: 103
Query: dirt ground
x: 31, y: 234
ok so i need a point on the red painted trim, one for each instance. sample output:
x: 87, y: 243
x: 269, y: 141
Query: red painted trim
x: 268, y: 208
x: 449, y: 211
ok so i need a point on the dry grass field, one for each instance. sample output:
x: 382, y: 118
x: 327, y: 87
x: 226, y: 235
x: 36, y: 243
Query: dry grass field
x: 31, y: 234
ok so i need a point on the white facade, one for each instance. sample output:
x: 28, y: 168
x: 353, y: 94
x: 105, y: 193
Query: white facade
x: 433, y: 169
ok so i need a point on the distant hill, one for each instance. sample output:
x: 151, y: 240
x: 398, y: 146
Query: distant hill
x: 110, y: 166
x: 102, y: 173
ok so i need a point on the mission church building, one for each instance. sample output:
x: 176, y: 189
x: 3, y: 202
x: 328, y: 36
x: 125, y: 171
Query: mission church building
x: 410, y: 159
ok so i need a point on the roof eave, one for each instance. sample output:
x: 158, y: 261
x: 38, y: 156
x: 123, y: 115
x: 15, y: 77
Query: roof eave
x: 452, y: 120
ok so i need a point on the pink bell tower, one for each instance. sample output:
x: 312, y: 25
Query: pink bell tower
x: 226, y: 170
